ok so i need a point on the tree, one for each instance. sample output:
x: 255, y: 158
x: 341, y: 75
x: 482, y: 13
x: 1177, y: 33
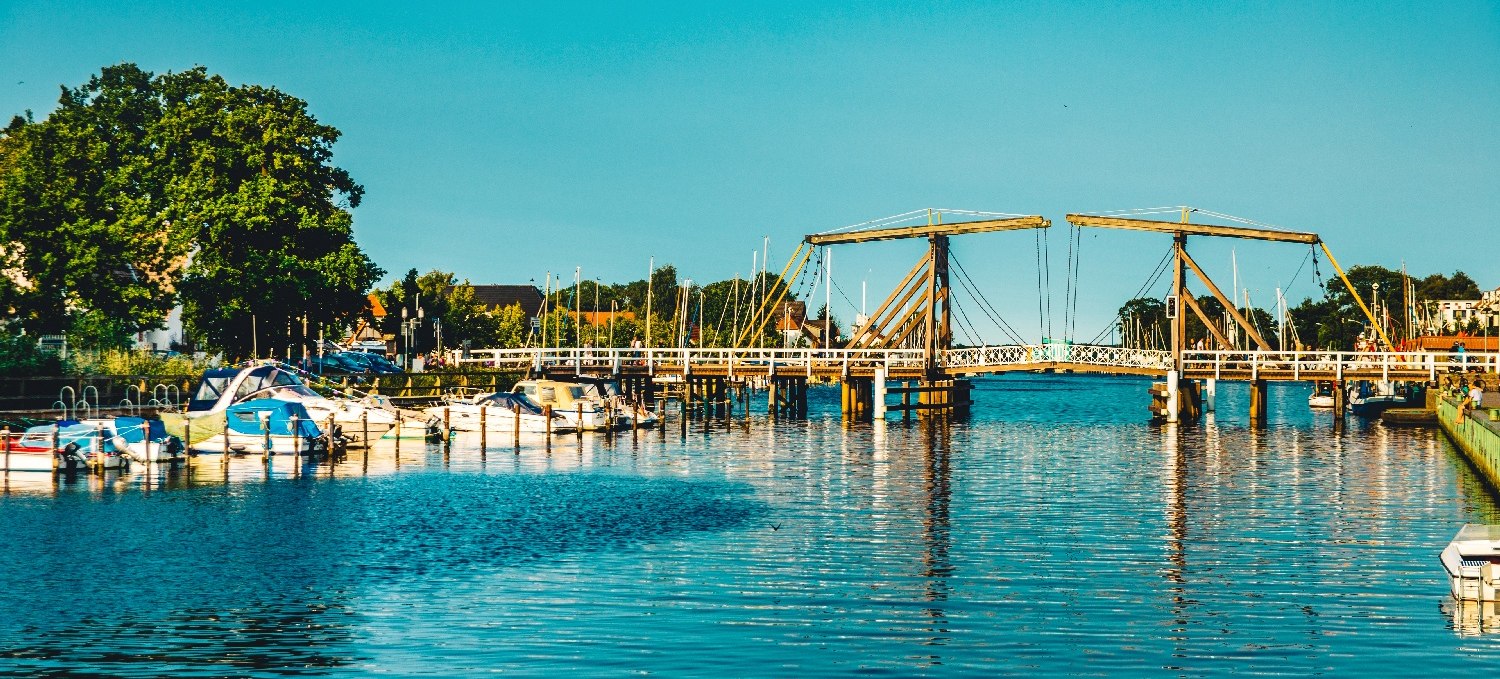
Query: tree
x: 143, y: 189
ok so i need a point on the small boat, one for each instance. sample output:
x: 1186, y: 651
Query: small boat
x: 580, y: 405
x: 76, y: 445
x: 1322, y: 396
x: 1369, y: 400
x: 608, y: 390
x: 140, y: 439
x: 41, y: 449
x: 1472, y: 560
x: 264, y: 426
x: 498, y: 413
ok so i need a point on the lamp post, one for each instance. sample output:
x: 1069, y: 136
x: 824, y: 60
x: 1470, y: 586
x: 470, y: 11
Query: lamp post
x: 405, y: 342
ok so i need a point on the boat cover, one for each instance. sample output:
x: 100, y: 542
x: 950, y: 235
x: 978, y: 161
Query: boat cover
x: 247, y: 418
x: 134, y: 429
x: 510, y: 401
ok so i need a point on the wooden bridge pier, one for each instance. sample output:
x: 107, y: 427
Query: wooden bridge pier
x: 858, y: 398
x: 787, y: 396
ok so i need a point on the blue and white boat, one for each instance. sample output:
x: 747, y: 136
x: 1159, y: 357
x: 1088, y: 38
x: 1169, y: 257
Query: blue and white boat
x: 263, y: 426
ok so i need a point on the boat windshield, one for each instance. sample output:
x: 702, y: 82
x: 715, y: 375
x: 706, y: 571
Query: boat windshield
x: 1478, y: 531
x: 511, y: 402
x: 267, y: 377
x: 211, y: 388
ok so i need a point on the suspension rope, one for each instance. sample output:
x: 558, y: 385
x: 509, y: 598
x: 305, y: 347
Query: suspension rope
x: 1156, y: 273
x: 1077, y: 266
x: 1041, y: 330
x: 1047, y: 273
x: 986, y: 306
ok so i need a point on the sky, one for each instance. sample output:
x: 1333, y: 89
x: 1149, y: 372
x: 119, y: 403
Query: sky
x: 503, y: 141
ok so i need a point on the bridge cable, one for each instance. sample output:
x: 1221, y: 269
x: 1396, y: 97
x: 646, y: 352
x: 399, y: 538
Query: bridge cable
x: 1077, y: 266
x: 1156, y: 273
x: 986, y: 306
x: 1047, y: 272
x: 1040, y: 329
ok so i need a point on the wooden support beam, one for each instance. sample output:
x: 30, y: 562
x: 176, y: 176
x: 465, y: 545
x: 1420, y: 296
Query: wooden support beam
x: 926, y: 230
x: 1181, y: 228
x: 854, y: 339
x: 1212, y: 327
x: 879, y: 323
x: 1228, y: 305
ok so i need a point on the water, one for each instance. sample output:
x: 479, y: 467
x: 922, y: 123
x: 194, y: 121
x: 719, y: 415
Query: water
x: 1054, y: 532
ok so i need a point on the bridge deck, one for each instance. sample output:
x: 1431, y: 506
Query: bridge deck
x: 910, y: 363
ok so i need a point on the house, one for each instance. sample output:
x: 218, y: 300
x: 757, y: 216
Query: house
x: 495, y: 297
x: 367, y: 335
x: 796, y: 329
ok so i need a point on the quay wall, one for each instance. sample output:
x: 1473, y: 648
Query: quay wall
x: 1478, y: 437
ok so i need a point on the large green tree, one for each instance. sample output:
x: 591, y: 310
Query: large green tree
x: 143, y: 189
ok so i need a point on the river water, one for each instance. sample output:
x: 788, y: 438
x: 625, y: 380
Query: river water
x: 1054, y: 531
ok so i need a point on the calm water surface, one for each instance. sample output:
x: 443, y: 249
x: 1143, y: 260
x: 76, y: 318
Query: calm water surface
x: 1055, y: 531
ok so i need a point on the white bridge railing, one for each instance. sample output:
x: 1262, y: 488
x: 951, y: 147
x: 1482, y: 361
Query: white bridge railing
x: 789, y: 361
x: 1337, y: 363
x: 1027, y: 354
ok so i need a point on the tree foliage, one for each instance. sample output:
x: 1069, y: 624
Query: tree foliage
x: 141, y: 190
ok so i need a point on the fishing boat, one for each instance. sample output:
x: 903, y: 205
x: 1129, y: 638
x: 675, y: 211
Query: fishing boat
x: 498, y: 413
x: 140, y: 439
x: 1322, y: 396
x: 264, y: 426
x: 580, y: 405
x: 1472, y: 561
x: 221, y: 388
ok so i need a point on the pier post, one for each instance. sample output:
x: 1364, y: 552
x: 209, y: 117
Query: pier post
x: 879, y: 396
x: 484, y: 427
x: 224, y: 459
x: 1210, y: 394
x: 1340, y: 405
x: 771, y: 396
x: 1173, y: 403
x: 1258, y: 402
x: 447, y: 429
x: 6, y: 434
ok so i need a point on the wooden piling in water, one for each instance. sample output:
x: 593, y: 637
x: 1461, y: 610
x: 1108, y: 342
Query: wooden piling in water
x: 448, y: 429
x: 484, y: 427
x: 516, y: 424
x: 6, y: 433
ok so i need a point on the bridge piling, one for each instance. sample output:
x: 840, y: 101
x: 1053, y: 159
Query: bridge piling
x: 1258, y: 403
x: 1210, y: 394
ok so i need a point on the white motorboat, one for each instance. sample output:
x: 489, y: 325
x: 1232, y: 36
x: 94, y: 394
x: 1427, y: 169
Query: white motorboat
x: 579, y: 404
x: 221, y: 388
x: 42, y: 449
x: 1322, y: 396
x: 498, y: 413
x: 139, y: 439
x: 1472, y: 560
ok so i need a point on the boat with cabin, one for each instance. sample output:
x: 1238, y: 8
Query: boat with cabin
x: 579, y: 404
x: 221, y: 388
x: 498, y: 413
x: 264, y: 426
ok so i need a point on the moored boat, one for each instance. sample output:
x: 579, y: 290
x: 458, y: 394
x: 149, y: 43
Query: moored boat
x: 498, y: 413
x: 221, y: 388
x: 1322, y: 396
x: 264, y: 426
x: 1472, y: 560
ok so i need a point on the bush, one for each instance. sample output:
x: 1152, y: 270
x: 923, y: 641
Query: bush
x: 145, y: 363
x: 20, y: 357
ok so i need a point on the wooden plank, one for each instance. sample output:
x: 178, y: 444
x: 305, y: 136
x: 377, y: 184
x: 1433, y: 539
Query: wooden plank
x: 925, y: 230
x: 1193, y: 229
x: 854, y: 340
x: 1212, y: 327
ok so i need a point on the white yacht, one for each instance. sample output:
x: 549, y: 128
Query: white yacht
x: 221, y: 388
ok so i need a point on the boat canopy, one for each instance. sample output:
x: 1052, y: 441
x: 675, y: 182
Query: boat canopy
x: 268, y: 414
x: 210, y: 388
x: 511, y: 402
x: 135, y: 429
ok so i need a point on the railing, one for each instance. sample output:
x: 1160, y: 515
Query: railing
x: 1338, y: 363
x: 689, y: 359
x: 1041, y: 354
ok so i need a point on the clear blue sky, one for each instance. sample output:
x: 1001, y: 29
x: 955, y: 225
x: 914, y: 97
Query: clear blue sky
x: 503, y: 142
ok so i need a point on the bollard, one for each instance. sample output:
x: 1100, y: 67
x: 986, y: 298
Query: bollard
x: 516, y: 421
x: 483, y: 428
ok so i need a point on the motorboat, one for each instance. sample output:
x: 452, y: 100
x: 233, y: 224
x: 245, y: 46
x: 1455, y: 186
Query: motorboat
x: 1472, y: 561
x: 264, y: 426
x: 580, y: 405
x: 608, y: 390
x: 1322, y: 396
x: 220, y: 388
x: 140, y: 439
x: 41, y: 449
x: 1370, y: 399
x: 76, y: 445
x: 498, y: 413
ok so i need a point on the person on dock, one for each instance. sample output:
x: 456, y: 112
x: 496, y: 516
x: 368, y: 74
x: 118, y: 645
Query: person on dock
x: 1476, y: 396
